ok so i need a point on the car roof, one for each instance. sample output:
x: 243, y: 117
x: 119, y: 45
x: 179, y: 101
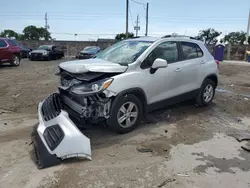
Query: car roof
x: 149, y: 39
x: 3, y: 38
x: 47, y: 45
x: 170, y: 38
x: 92, y: 46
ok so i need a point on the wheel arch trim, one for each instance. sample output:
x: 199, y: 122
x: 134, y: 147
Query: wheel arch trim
x: 135, y: 91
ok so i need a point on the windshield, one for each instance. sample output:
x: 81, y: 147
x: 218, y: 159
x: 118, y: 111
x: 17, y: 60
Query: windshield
x: 44, y: 47
x: 91, y: 49
x: 124, y: 52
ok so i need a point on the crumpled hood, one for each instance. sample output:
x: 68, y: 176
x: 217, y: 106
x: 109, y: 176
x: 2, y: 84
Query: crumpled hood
x: 92, y: 65
x: 39, y: 51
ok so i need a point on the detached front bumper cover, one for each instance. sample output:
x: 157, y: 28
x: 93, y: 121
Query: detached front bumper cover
x: 57, y: 137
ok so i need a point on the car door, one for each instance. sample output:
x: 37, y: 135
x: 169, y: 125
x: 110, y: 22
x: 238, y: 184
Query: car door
x: 3, y: 51
x: 163, y: 83
x: 191, y: 55
x: 53, y: 52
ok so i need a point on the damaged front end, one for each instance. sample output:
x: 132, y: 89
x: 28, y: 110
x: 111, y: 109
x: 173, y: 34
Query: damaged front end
x: 81, y: 99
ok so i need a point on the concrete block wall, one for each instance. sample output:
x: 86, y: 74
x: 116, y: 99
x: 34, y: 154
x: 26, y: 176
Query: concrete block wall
x: 71, y: 48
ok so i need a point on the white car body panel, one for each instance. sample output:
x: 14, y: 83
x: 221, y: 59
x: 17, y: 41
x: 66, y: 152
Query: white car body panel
x: 166, y: 82
x: 74, y: 142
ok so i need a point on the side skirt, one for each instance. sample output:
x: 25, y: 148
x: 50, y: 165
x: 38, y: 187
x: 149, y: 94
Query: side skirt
x: 173, y: 100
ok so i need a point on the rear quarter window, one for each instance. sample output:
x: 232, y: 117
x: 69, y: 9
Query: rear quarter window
x: 3, y: 43
x: 191, y: 50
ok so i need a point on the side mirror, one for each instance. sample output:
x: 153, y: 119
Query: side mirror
x: 159, y: 63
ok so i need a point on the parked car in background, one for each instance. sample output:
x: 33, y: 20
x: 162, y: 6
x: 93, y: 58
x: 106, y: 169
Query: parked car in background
x: 24, y: 51
x: 88, y: 52
x: 10, y: 52
x: 46, y: 52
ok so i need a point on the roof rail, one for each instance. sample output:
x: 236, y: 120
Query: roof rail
x: 168, y: 36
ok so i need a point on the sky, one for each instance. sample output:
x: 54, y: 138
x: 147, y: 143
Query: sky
x: 92, y: 19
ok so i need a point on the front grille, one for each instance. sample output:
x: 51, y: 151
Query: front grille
x: 84, y: 55
x: 36, y: 55
x: 51, y: 107
x: 53, y: 136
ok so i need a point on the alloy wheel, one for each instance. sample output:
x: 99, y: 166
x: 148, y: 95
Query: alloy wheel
x: 127, y: 114
x: 208, y: 93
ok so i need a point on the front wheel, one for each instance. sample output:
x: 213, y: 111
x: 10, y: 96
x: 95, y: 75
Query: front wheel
x: 126, y: 113
x: 206, y: 93
x: 15, y: 60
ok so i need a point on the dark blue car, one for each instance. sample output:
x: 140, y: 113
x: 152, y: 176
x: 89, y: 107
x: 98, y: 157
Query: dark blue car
x: 88, y: 52
x: 24, y: 51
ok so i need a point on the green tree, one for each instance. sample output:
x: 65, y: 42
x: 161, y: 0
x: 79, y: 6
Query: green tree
x: 34, y: 33
x: 44, y: 33
x: 238, y: 37
x: 9, y: 34
x: 208, y: 35
x: 122, y: 36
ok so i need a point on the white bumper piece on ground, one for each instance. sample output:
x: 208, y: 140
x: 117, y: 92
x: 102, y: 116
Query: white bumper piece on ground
x: 58, y: 137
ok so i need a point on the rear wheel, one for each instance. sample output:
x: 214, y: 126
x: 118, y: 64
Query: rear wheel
x: 49, y: 58
x: 206, y: 93
x: 15, y: 60
x: 126, y: 113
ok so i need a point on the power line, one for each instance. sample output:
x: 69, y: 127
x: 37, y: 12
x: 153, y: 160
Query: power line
x: 139, y: 3
x: 96, y: 16
x: 130, y: 12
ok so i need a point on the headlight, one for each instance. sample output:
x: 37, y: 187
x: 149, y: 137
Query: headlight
x: 29, y: 53
x: 45, y: 53
x: 93, y: 87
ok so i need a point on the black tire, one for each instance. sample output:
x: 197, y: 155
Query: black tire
x: 201, y: 99
x: 48, y: 58
x: 115, y: 109
x: 15, y: 60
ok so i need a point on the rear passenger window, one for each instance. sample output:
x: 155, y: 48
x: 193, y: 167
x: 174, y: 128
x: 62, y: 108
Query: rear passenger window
x: 191, y: 50
x: 2, y: 43
x: 12, y: 42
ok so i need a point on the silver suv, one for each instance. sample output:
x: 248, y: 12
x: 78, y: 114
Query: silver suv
x: 122, y: 84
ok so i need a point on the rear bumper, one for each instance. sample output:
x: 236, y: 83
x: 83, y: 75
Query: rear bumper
x: 58, y: 137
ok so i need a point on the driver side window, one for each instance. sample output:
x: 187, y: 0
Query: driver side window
x: 167, y: 51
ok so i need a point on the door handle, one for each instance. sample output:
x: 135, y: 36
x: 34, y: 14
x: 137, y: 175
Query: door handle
x: 178, y: 70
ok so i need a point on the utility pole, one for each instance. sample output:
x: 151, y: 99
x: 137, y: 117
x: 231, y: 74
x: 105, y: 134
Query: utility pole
x: 46, y: 20
x: 146, y: 34
x: 46, y: 23
x: 248, y: 28
x: 127, y: 4
x: 137, y: 27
